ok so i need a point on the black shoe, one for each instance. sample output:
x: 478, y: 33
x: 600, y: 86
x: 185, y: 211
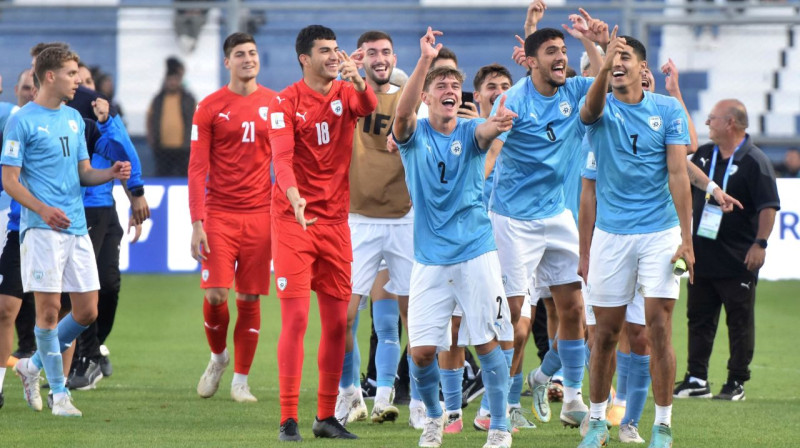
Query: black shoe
x: 691, y: 389
x: 731, y: 391
x: 105, y: 362
x: 2, y: 399
x: 401, y: 393
x: 20, y: 353
x: 368, y: 387
x: 330, y: 428
x: 474, y: 389
x: 87, y: 374
x: 50, y: 399
x: 289, y: 432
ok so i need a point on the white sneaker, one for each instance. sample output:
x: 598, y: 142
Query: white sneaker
x: 432, y: 431
x: 498, y: 438
x: 573, y: 412
x: 416, y: 417
x: 358, y: 408
x: 209, y: 382
x: 629, y: 434
x: 383, y: 411
x: 30, y: 384
x: 65, y: 408
x: 240, y: 392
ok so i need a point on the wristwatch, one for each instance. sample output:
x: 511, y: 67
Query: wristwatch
x: 137, y: 192
x: 762, y: 243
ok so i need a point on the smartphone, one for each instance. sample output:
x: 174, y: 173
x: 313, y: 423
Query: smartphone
x: 466, y: 97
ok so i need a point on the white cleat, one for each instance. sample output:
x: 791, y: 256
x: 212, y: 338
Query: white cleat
x: 358, y: 408
x: 65, y: 408
x: 498, y: 438
x: 30, y: 384
x: 383, y: 411
x: 416, y: 417
x: 629, y: 434
x: 209, y: 382
x: 432, y: 432
x: 240, y: 392
x: 342, y: 410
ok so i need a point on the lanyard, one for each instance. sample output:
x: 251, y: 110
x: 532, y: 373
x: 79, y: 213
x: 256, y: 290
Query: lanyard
x: 727, y: 169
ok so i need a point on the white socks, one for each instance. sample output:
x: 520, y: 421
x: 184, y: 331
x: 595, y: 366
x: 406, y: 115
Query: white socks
x: 2, y: 377
x: 663, y: 415
x: 571, y: 394
x: 383, y: 394
x: 221, y: 357
x: 540, y: 377
x: 239, y: 378
x: 597, y: 411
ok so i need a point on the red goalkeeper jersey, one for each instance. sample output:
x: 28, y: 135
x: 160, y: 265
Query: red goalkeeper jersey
x: 312, y: 138
x: 229, y: 162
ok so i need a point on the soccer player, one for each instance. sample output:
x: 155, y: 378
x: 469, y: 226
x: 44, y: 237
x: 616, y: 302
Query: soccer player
x: 454, y: 251
x: 45, y: 161
x: 640, y: 144
x: 229, y: 191
x: 311, y: 127
x: 528, y: 203
x: 381, y: 226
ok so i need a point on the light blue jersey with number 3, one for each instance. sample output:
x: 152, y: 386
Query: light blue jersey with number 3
x: 444, y: 174
x: 48, y: 144
x: 630, y: 152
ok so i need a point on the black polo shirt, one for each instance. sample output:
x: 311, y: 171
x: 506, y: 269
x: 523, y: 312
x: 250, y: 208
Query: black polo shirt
x: 752, y: 182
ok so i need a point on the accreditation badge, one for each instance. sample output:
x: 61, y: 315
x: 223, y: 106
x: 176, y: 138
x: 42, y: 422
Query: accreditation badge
x: 710, y: 221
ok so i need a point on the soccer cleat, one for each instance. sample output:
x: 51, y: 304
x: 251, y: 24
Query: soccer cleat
x: 596, y: 436
x: 12, y: 361
x: 30, y: 384
x: 481, y: 422
x: 518, y: 419
x: 541, y: 405
x: 628, y: 433
x: 240, y: 392
x: 209, y: 382
x: 661, y: 437
x: 358, y: 409
x: 454, y: 423
x: 555, y: 392
x: 416, y: 417
x: 432, y: 432
x: 585, y: 425
x: 342, y: 409
x: 105, y: 361
x: 731, y: 391
x: 369, y: 388
x: 383, y: 411
x: 65, y: 408
x: 289, y: 431
x: 86, y: 374
x: 573, y: 412
x: 498, y: 438
x: 2, y: 399
x: 473, y: 388
x: 330, y: 428
x: 691, y: 389
x: 50, y: 399
x: 615, y: 414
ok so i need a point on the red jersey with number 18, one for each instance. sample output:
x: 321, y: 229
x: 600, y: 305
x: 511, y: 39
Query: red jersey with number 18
x: 229, y: 162
x: 312, y: 139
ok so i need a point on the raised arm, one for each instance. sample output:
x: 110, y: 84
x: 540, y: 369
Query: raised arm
x: 366, y: 101
x: 405, y: 120
x: 535, y: 13
x: 501, y: 121
x: 592, y: 109
x: 674, y: 90
x: 681, y: 196
x: 90, y: 176
x: 590, y: 32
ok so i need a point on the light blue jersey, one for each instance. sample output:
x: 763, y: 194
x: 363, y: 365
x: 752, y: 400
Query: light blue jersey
x: 6, y: 110
x: 444, y: 174
x: 48, y: 144
x: 532, y: 166
x: 630, y: 149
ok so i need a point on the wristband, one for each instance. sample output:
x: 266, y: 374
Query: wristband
x: 711, y: 187
x: 137, y: 192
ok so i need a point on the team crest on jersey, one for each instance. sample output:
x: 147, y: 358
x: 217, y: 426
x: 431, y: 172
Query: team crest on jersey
x: 565, y: 108
x: 73, y: 125
x: 336, y: 107
x: 262, y: 112
x: 455, y: 148
x: 205, y: 275
x: 281, y: 283
x: 734, y: 169
x: 655, y: 122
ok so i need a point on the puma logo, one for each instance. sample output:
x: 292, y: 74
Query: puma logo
x: 703, y: 160
x: 214, y: 328
x: 746, y: 285
x: 43, y: 129
x: 253, y: 330
x: 280, y: 100
x: 303, y: 115
x: 226, y: 116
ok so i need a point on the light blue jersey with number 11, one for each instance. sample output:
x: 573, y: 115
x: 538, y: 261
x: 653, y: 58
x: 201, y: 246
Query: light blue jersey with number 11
x: 444, y: 174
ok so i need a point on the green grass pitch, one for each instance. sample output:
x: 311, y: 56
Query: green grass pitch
x: 159, y: 351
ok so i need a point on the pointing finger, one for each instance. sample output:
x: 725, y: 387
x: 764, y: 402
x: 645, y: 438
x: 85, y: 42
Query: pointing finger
x: 614, y: 33
x: 520, y: 40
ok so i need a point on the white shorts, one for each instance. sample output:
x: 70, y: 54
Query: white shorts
x: 364, y: 300
x: 633, y: 314
x: 53, y: 261
x: 373, y: 243
x: 475, y: 286
x: 526, y: 306
x: 546, y: 248
x: 622, y: 264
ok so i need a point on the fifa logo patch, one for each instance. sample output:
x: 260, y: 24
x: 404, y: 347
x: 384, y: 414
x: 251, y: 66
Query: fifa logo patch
x: 655, y: 123
x: 281, y: 283
x: 565, y: 108
x: 12, y: 148
x: 204, y: 274
x: 262, y: 112
x: 455, y: 148
x: 336, y: 107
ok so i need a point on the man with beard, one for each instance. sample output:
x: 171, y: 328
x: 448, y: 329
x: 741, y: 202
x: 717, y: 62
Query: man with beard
x: 381, y: 225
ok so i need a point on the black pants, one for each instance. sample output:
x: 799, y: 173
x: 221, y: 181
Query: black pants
x: 106, y: 235
x: 540, y: 331
x: 706, y: 297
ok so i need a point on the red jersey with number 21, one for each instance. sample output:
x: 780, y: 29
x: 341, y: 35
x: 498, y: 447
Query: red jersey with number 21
x: 312, y: 141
